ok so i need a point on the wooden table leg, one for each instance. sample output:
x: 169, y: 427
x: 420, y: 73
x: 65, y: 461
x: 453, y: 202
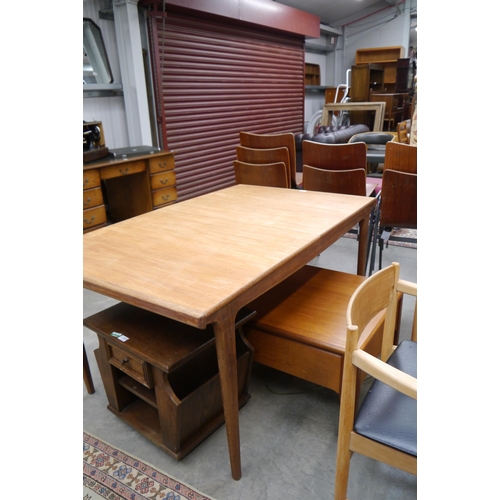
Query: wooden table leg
x: 87, y: 376
x: 362, y: 245
x: 225, y: 342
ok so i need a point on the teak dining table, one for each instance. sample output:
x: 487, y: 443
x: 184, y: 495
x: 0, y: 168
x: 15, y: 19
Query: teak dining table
x: 201, y: 260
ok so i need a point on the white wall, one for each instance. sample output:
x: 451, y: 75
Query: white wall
x: 379, y: 26
x: 380, y: 29
x: 108, y: 110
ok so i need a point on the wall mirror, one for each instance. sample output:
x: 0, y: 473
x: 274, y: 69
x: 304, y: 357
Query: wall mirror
x: 96, y: 68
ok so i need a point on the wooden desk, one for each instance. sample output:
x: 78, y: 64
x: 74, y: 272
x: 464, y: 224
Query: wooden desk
x: 378, y: 107
x: 202, y: 260
x: 128, y: 186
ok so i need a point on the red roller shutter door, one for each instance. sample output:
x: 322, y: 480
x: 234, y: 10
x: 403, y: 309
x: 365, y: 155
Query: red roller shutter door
x: 216, y: 80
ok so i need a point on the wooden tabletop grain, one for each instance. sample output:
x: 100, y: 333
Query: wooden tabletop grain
x: 201, y: 260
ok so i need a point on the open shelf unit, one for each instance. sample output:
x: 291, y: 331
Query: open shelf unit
x: 386, y: 57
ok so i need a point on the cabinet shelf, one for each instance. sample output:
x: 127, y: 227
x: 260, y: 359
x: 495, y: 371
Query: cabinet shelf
x: 312, y: 74
x: 379, y: 55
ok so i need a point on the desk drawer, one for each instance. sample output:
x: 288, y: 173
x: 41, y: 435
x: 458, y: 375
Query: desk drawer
x: 161, y: 164
x: 132, y: 167
x: 92, y: 198
x: 94, y: 217
x: 160, y: 181
x: 164, y: 196
x: 132, y: 366
x: 91, y: 179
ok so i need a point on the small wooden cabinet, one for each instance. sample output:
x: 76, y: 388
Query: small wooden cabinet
x: 365, y: 78
x: 161, y: 376
x: 117, y: 189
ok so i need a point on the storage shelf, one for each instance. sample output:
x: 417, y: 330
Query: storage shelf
x: 315, y: 88
x: 102, y: 90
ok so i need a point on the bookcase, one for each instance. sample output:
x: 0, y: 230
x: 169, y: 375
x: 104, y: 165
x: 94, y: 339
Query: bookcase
x: 365, y: 78
x: 386, y: 57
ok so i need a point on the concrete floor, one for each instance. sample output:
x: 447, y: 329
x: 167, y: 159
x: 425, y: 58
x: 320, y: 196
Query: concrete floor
x: 288, y: 429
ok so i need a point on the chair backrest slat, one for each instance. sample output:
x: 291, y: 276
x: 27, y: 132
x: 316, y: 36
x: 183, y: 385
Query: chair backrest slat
x: 335, y: 181
x: 401, y: 157
x: 264, y: 174
x: 334, y: 156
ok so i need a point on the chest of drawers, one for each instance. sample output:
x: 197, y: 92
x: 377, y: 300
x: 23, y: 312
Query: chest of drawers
x: 117, y: 189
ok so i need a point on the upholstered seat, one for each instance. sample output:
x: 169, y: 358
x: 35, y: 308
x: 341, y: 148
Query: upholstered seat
x: 388, y: 416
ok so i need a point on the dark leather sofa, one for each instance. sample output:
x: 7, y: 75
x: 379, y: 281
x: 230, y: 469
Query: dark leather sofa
x: 327, y: 135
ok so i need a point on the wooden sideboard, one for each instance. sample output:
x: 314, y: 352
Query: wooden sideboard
x: 117, y: 189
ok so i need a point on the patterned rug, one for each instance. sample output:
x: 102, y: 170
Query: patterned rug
x: 112, y: 474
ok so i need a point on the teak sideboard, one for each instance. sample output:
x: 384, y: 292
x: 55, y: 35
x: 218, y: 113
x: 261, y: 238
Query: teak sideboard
x: 115, y: 189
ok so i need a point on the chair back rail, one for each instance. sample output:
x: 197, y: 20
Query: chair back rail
x: 401, y: 157
x: 334, y: 156
x: 335, y: 181
x: 264, y: 174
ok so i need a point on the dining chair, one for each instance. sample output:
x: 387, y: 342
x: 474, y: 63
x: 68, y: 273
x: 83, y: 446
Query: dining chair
x: 398, y: 158
x: 403, y: 132
x: 265, y: 156
x: 264, y: 174
x: 347, y: 156
x: 383, y: 426
x: 274, y: 140
x: 397, y: 208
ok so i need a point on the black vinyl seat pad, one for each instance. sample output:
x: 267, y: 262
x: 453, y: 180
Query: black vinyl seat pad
x: 386, y: 415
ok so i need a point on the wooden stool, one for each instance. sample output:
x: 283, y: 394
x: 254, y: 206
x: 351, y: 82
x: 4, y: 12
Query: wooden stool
x: 161, y: 376
x: 300, y: 325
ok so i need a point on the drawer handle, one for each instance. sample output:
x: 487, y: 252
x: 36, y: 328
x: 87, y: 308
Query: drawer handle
x: 124, y: 361
x: 166, y: 181
x: 85, y: 181
x: 89, y: 221
x: 165, y: 197
x: 123, y: 172
x: 87, y: 202
x: 163, y: 165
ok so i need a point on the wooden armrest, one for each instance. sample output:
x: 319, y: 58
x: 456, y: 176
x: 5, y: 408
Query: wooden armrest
x: 387, y: 374
x: 407, y: 287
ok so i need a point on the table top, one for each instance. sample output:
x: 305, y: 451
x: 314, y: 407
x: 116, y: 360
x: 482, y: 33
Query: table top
x: 189, y: 260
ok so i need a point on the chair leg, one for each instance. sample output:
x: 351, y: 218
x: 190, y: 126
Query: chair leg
x: 342, y: 466
x: 375, y: 238
x: 87, y: 376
